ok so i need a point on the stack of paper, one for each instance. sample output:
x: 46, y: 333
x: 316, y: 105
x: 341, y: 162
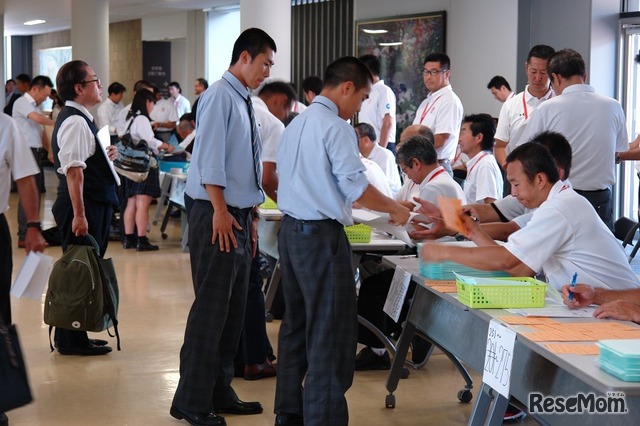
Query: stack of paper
x: 621, y: 358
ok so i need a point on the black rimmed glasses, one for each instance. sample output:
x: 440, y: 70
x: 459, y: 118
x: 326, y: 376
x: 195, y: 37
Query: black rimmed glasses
x: 97, y: 80
x: 432, y: 73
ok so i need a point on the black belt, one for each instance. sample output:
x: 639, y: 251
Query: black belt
x: 595, y: 191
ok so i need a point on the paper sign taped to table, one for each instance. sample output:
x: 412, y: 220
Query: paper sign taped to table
x: 498, y: 358
x: 451, y: 209
x: 32, y: 277
x: 397, y: 293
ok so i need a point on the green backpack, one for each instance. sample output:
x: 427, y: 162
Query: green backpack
x: 83, y: 292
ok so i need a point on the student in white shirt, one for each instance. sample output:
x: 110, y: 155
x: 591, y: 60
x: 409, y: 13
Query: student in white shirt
x: 109, y: 109
x: 483, y: 183
x: 180, y: 103
x: 500, y: 88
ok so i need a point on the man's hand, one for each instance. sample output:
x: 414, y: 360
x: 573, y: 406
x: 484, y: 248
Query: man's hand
x: 437, y: 229
x: 428, y: 209
x: 583, y: 295
x: 223, y: 224
x: 112, y: 152
x: 34, y: 241
x: 79, y: 226
x: 622, y: 310
x: 401, y: 215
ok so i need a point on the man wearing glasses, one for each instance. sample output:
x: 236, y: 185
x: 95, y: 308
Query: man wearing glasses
x: 87, y: 188
x: 442, y: 110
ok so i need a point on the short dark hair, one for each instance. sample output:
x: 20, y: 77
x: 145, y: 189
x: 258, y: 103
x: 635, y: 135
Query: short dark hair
x: 139, y: 103
x: 41, y: 81
x: 559, y: 148
x: 23, y: 78
x: 70, y: 74
x: 372, y: 62
x: 176, y: 85
x: 278, y: 87
x: 253, y: 40
x: 541, y: 51
x: 312, y: 83
x: 116, y: 88
x: 347, y: 68
x: 10, y: 81
x: 497, y: 82
x: 366, y: 129
x: 567, y: 63
x: 142, y: 84
x: 535, y: 159
x: 482, y: 123
x: 203, y: 82
x: 419, y: 147
x: 187, y: 116
x: 439, y: 57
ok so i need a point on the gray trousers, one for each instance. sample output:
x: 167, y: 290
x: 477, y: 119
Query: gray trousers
x: 317, y: 341
x: 220, y: 281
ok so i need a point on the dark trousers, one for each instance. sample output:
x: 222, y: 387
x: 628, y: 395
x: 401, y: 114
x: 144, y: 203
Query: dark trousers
x: 6, y: 265
x: 22, y: 217
x: 318, y: 334
x: 254, y: 343
x: 602, y: 201
x: 99, y: 219
x: 214, y: 324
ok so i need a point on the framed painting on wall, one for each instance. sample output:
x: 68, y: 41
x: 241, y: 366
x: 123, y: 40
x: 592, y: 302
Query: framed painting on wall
x: 401, y: 43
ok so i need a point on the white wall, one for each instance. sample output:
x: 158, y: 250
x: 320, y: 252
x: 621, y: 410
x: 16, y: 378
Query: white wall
x: 481, y: 41
x: 224, y: 29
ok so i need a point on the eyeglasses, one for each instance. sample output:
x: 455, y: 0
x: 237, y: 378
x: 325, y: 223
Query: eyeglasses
x: 97, y: 80
x: 432, y: 73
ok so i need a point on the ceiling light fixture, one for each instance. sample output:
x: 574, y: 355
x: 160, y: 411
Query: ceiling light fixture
x: 35, y: 22
x: 394, y: 43
x: 368, y: 31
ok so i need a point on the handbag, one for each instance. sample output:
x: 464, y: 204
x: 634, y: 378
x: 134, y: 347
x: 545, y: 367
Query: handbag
x: 14, y: 384
x: 134, y: 159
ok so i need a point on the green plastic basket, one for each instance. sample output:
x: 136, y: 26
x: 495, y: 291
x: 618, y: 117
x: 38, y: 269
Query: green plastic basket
x: 269, y: 204
x: 358, y: 233
x: 503, y: 296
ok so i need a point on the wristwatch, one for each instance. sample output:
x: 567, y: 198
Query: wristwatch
x: 34, y: 225
x: 618, y: 159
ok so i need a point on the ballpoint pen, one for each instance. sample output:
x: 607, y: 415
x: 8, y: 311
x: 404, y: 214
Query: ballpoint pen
x: 573, y: 284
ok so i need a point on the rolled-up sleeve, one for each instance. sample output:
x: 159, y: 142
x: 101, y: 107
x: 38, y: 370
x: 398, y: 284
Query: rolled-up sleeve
x: 76, y: 143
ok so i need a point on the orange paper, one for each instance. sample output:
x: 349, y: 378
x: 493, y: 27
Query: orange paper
x: 577, y: 349
x: 451, y: 209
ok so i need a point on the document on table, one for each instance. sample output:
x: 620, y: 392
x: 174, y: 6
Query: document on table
x: 381, y: 221
x: 105, y: 140
x: 33, y: 276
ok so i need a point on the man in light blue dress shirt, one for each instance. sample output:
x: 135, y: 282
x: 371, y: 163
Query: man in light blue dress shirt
x: 223, y: 182
x: 320, y: 177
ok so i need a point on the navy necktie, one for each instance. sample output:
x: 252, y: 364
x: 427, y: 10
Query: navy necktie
x: 255, y: 143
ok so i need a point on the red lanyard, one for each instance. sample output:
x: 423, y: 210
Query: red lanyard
x: 524, y: 105
x: 476, y: 163
x: 436, y: 174
x: 428, y: 108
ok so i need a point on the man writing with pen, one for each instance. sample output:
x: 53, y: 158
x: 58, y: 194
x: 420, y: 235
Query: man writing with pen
x: 563, y: 236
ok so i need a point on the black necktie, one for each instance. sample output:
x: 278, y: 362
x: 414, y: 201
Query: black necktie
x: 255, y: 142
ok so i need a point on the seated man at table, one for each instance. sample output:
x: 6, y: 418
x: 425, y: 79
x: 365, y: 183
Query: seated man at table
x: 563, y: 237
x: 623, y: 305
x: 409, y: 188
x: 506, y: 215
x: 419, y: 162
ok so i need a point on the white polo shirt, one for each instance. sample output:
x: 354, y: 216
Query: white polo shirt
x: 408, y: 191
x: 442, y: 112
x: 31, y: 130
x: 387, y: 162
x: 381, y: 101
x: 439, y: 183
x: 15, y: 158
x: 164, y: 112
x: 514, y: 113
x: 484, y: 179
x: 270, y: 129
x: 376, y: 176
x: 566, y: 236
x: 594, y: 125
x: 107, y: 115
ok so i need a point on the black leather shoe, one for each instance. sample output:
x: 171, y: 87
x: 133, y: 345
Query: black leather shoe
x: 207, y: 419
x: 98, y: 342
x: 88, y: 350
x: 129, y: 241
x: 145, y: 245
x: 4, y: 420
x: 241, y: 407
x: 288, y: 419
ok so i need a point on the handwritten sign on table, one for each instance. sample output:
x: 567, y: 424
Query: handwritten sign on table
x: 397, y: 292
x: 499, y: 357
